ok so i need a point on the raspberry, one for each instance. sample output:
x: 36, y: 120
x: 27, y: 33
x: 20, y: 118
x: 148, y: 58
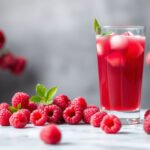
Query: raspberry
x: 88, y: 113
x: 32, y: 106
x: 18, y: 120
x: 50, y: 134
x: 146, y: 125
x: 26, y: 112
x: 72, y: 115
x: 5, y: 114
x: 147, y: 113
x: 111, y: 124
x: 38, y: 117
x: 93, y: 106
x: 20, y: 98
x: 97, y: 118
x: 62, y: 101
x: 79, y: 102
x: 2, y: 39
x: 41, y: 106
x: 4, y: 105
x: 19, y: 66
x: 7, y: 60
x: 54, y: 113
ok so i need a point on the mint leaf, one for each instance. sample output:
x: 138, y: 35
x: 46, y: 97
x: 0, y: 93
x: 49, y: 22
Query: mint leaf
x: 107, y: 33
x: 35, y: 99
x: 50, y: 101
x: 41, y: 90
x: 51, y: 93
x: 12, y: 109
x: 19, y: 106
x: 97, y: 27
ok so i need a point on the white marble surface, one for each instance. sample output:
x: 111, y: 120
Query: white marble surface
x: 75, y: 137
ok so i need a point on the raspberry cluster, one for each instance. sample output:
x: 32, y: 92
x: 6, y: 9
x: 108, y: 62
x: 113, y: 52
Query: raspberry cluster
x: 8, y: 61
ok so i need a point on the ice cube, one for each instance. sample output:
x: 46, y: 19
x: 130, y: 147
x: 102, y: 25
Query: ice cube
x: 128, y: 34
x: 119, y: 42
x: 116, y: 59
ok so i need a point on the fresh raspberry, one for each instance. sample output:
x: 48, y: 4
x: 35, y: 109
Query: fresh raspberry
x: 50, y: 134
x: 20, y: 98
x: 2, y: 39
x: 38, y: 117
x: 54, y: 113
x: 79, y: 102
x: 88, y: 113
x: 147, y: 113
x: 4, y: 105
x: 32, y: 106
x: 19, y: 66
x: 62, y: 101
x: 72, y: 115
x: 93, y: 106
x: 41, y: 106
x: 5, y: 114
x: 18, y: 120
x: 111, y: 124
x: 26, y: 112
x: 7, y: 61
x: 146, y: 125
x: 97, y: 118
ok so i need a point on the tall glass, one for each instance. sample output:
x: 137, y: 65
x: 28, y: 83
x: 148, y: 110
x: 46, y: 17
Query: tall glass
x: 120, y: 57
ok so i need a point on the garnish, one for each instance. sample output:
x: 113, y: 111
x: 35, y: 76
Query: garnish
x: 43, y: 95
x: 14, y: 109
x: 107, y: 33
x: 97, y: 27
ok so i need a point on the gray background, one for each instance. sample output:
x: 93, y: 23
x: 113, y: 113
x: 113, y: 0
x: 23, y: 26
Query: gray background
x: 58, y: 40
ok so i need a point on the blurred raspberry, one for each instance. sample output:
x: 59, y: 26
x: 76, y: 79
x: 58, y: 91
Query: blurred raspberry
x: 2, y: 39
x: 4, y: 105
x: 5, y: 114
x: 19, y: 66
x: 32, y: 106
x: 148, y: 59
x: 7, y: 61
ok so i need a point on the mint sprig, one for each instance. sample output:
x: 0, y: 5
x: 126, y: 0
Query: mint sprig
x: 97, y: 27
x: 107, y: 33
x: 44, y: 95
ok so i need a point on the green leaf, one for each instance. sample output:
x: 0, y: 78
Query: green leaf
x: 41, y: 90
x: 51, y: 93
x: 12, y: 109
x: 48, y: 102
x: 35, y: 99
x: 19, y: 106
x: 97, y: 27
x: 107, y: 33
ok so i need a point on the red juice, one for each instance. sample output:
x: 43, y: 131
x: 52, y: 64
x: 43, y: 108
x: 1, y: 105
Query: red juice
x: 120, y: 69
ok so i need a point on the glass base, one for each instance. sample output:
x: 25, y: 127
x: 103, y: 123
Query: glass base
x: 127, y: 118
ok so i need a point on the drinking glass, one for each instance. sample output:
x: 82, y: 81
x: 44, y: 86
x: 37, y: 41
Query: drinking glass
x: 120, y: 55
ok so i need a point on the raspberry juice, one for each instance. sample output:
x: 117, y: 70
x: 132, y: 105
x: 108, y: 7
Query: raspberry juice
x: 120, y: 68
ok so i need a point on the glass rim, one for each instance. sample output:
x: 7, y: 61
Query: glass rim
x: 123, y: 27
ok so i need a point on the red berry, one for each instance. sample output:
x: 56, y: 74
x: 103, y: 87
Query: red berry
x: 32, y: 106
x: 50, y: 134
x: 41, y: 106
x: 2, y: 39
x: 147, y: 113
x: 54, y: 113
x: 72, y: 115
x: 62, y: 101
x: 79, y: 102
x: 20, y: 98
x: 93, y: 106
x: 5, y: 114
x: 111, y: 124
x: 26, y: 112
x: 4, y: 105
x: 19, y: 66
x: 38, y: 117
x: 7, y: 61
x: 146, y: 125
x: 18, y: 120
x: 97, y: 118
x: 88, y: 113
